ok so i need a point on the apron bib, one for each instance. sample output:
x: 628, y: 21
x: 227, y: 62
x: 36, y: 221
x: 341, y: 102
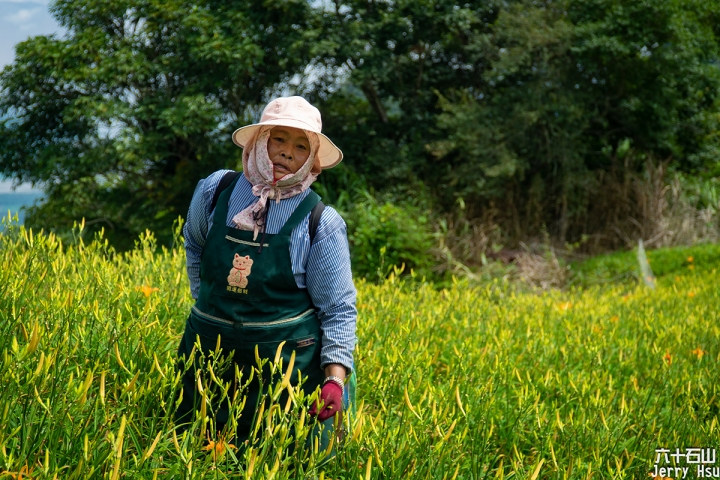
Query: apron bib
x: 249, y: 296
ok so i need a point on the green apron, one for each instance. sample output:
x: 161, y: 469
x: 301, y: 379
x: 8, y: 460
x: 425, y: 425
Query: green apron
x: 249, y: 296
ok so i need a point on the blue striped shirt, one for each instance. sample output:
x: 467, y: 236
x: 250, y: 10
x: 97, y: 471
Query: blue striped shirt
x: 323, y: 268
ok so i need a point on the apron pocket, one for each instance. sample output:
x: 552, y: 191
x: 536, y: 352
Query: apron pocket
x: 208, y: 333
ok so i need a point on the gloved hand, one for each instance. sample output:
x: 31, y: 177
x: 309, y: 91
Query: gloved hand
x: 331, y: 397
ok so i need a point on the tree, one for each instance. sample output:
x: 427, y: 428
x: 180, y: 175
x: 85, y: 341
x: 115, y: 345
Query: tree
x: 121, y: 117
x: 527, y: 105
x: 581, y: 91
x: 391, y: 59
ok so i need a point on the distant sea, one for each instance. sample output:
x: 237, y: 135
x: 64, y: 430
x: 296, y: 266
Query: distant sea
x: 13, y: 201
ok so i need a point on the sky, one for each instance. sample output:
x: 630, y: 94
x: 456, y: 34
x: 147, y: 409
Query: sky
x: 20, y: 19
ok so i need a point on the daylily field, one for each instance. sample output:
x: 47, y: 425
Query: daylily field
x: 458, y: 383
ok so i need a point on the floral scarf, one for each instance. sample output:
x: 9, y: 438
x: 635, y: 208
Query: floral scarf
x: 258, y: 169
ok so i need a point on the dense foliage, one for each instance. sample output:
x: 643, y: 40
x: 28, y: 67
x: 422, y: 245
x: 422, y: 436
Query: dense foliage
x: 121, y: 117
x: 530, y: 113
x: 528, y: 109
x: 453, y: 383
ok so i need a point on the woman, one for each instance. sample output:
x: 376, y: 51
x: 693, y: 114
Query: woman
x: 260, y: 272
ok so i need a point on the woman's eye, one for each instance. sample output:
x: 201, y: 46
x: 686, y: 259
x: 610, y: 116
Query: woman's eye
x: 278, y: 139
x: 302, y: 147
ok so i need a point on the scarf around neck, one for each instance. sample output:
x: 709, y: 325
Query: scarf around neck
x: 258, y: 169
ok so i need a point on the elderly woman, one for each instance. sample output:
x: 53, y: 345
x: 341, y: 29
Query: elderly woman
x: 268, y: 264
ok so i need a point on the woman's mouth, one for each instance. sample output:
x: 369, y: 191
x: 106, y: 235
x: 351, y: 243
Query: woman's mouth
x: 281, y: 168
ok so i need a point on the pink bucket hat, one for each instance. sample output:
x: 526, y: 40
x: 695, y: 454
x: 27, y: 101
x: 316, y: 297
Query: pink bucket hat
x: 293, y: 112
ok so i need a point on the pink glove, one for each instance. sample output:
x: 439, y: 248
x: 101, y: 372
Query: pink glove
x: 331, y: 397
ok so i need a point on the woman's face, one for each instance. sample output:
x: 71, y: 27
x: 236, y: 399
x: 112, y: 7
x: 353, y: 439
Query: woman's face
x: 288, y: 149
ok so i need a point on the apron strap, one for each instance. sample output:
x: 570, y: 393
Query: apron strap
x: 315, y: 220
x: 300, y: 213
x: 221, y: 210
x: 224, y: 182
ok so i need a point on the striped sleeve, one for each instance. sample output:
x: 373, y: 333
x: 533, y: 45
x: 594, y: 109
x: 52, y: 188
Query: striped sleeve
x: 197, y: 225
x: 329, y: 282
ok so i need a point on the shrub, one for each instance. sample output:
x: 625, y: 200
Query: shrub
x: 383, y: 234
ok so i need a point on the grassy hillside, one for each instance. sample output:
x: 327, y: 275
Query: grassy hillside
x: 666, y: 263
x: 460, y: 382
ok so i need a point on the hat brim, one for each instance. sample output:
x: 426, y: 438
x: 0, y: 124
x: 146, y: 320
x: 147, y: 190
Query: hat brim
x: 328, y: 153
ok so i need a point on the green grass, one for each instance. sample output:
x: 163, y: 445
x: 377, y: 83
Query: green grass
x: 461, y: 382
x: 622, y: 267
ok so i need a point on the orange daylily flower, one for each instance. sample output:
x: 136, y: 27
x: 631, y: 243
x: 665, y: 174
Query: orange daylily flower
x: 698, y: 352
x: 668, y: 358
x: 690, y: 259
x: 565, y: 306
x: 148, y: 290
x: 23, y: 473
x: 691, y: 294
x: 614, y: 318
x: 219, y: 447
x: 677, y: 279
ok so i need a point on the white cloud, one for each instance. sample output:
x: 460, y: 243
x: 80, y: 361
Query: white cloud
x: 6, y: 186
x: 23, y: 15
x: 14, y: 30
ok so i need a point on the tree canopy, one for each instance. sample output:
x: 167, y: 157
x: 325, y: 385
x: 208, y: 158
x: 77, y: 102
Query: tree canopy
x: 525, y: 105
x: 120, y: 118
x: 522, y: 107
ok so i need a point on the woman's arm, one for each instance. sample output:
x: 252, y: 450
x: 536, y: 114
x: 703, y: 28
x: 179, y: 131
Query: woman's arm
x: 335, y: 369
x: 328, y: 278
x: 196, y: 226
